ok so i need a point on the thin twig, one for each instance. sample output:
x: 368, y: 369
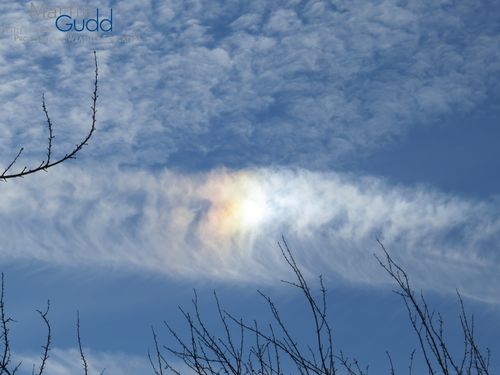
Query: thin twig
x: 49, y: 163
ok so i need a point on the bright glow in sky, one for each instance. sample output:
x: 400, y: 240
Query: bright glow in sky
x: 238, y: 203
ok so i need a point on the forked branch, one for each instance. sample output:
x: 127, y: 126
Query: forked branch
x: 49, y: 162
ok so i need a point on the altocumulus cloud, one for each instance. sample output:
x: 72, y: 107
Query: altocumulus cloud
x: 225, y: 80
x: 224, y: 224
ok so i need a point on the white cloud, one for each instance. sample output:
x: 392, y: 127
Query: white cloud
x: 224, y: 224
x: 211, y: 79
x: 68, y: 362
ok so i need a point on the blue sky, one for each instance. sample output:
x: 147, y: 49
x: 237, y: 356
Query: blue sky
x: 223, y: 125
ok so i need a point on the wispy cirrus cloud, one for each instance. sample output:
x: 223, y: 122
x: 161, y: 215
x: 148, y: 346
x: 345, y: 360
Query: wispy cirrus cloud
x: 224, y: 225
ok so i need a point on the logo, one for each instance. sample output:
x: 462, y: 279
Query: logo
x: 65, y: 23
x: 45, y: 12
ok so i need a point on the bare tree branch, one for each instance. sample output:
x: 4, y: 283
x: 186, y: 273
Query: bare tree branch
x: 82, y: 355
x: 46, y: 347
x: 429, y: 328
x: 276, y: 350
x: 49, y: 162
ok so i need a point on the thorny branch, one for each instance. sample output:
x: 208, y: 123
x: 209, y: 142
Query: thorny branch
x: 46, y: 347
x: 6, y: 366
x: 49, y: 162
